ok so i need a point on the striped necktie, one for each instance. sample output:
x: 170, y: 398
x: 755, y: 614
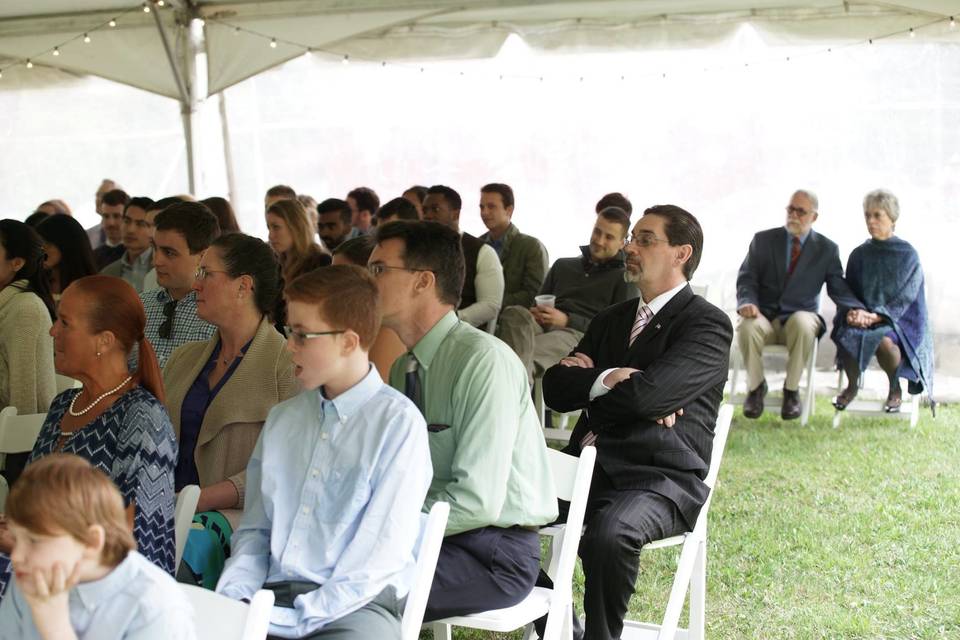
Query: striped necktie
x: 411, y: 386
x: 643, y: 317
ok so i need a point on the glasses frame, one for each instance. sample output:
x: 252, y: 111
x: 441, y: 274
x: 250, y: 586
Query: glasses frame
x: 646, y: 239
x: 202, y: 273
x: 800, y: 212
x: 377, y: 270
x: 300, y: 337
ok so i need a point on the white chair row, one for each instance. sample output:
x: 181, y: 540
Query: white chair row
x: 910, y: 410
x: 773, y: 400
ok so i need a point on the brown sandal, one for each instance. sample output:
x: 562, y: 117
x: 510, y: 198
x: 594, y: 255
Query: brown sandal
x: 841, y: 401
x: 894, y: 400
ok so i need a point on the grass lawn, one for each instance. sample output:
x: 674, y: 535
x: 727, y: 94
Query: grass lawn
x: 823, y: 533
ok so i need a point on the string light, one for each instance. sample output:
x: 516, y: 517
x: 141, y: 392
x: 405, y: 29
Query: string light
x: 56, y: 51
x: 146, y: 8
x: 112, y: 23
x: 160, y: 3
x: 912, y: 33
x: 236, y: 31
x: 273, y: 43
x: 29, y: 64
x: 953, y: 23
x: 346, y: 58
x: 86, y: 39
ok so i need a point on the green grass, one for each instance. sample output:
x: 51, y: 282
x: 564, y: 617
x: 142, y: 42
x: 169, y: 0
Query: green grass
x: 823, y: 533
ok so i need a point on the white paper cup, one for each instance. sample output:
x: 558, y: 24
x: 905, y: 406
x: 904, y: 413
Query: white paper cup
x: 545, y: 300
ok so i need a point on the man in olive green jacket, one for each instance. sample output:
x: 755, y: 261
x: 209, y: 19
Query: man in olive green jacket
x: 524, y: 258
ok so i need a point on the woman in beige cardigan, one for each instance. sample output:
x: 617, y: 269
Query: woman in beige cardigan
x: 220, y: 391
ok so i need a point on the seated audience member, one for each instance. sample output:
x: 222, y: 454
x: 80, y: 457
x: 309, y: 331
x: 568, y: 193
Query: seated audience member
x: 223, y: 211
x: 581, y: 286
x: 27, y: 379
x: 488, y: 453
x: 277, y: 193
x: 337, y: 479
x: 416, y: 195
x: 482, y: 292
x: 116, y: 420
x: 397, y: 209
x: 885, y: 274
x: 387, y: 347
x: 55, y: 207
x: 96, y: 233
x: 310, y: 206
x: 183, y: 232
x: 69, y: 256
x: 78, y: 573
x: 137, y: 258
x: 150, y: 280
x: 110, y: 247
x: 334, y: 222
x: 292, y: 238
x: 778, y: 296
x: 364, y: 203
x: 524, y: 258
x: 658, y: 360
x: 220, y: 391
x: 615, y: 199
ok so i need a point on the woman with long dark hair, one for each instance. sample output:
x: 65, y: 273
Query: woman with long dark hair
x: 27, y: 379
x: 69, y: 255
x: 223, y: 210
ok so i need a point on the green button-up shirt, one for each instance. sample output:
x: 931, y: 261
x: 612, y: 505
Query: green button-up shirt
x: 489, y: 456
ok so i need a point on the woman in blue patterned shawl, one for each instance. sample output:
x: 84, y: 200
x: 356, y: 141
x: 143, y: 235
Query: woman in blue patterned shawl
x: 884, y: 272
x: 117, y: 420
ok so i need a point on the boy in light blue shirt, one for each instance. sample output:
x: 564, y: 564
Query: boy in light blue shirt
x: 76, y: 573
x: 337, y: 479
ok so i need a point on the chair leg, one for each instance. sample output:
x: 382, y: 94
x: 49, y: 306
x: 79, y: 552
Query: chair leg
x: 837, y: 414
x: 538, y: 401
x: 442, y: 631
x: 698, y: 595
x: 914, y: 410
x: 810, y: 391
x: 737, y: 361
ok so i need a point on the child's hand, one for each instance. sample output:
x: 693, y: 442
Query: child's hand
x: 48, y: 597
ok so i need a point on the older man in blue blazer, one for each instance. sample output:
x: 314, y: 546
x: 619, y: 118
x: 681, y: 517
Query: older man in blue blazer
x: 778, y: 290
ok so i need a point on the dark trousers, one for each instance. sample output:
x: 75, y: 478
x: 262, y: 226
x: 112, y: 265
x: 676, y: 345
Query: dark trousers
x: 483, y: 569
x: 618, y: 524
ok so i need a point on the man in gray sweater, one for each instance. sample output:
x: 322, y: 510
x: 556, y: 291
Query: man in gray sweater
x: 581, y: 287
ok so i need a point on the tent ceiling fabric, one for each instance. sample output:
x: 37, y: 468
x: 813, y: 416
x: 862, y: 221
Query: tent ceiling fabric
x: 133, y: 54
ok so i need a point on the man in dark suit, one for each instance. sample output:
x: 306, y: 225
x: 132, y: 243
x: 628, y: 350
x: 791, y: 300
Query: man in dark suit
x: 778, y: 291
x: 649, y: 375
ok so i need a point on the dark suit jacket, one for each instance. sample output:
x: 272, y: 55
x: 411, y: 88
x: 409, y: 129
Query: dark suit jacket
x: 763, y: 277
x: 683, y: 355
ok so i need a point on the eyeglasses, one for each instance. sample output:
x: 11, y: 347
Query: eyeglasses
x: 646, y: 240
x: 203, y: 272
x: 166, y: 327
x: 300, y: 337
x: 378, y: 269
x: 797, y: 211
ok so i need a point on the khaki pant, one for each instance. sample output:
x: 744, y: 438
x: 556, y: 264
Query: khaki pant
x: 799, y: 333
x: 537, y: 349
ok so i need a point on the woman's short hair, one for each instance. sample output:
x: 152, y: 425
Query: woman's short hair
x: 882, y: 199
x: 64, y: 494
x: 346, y: 296
x: 76, y: 254
x: 22, y: 241
x: 246, y: 255
x: 113, y: 305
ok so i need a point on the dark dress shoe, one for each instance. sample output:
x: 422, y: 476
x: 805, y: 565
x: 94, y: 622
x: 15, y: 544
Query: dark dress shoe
x: 753, y: 403
x: 791, y: 407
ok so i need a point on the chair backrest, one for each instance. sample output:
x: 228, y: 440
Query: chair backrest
x: 571, y: 478
x: 217, y: 617
x: 720, y: 432
x: 183, y: 517
x: 65, y: 382
x: 19, y: 433
x: 700, y: 289
x: 430, y: 541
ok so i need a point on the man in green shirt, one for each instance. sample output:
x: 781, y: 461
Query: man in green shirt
x: 524, y: 258
x: 489, y: 457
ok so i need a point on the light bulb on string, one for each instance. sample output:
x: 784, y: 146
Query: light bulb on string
x: 29, y: 64
x: 236, y: 31
x: 913, y: 34
x: 146, y: 8
x: 112, y: 23
x: 273, y: 43
x: 56, y: 51
x: 953, y: 23
x: 86, y: 38
x: 160, y: 3
x: 346, y: 58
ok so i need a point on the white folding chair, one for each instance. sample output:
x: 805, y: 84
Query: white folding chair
x: 217, y: 617
x: 700, y: 289
x: 774, y: 400
x: 562, y: 433
x: 571, y: 477
x: 427, y: 554
x: 64, y: 383
x: 183, y: 517
x: 692, y: 566
x: 909, y: 410
x: 18, y: 433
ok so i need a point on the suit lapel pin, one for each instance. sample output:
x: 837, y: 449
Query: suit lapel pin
x: 658, y: 326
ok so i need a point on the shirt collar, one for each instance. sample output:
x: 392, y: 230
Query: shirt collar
x: 428, y: 345
x: 350, y: 401
x: 143, y: 259
x: 661, y: 300
x: 803, y: 238
x: 93, y: 594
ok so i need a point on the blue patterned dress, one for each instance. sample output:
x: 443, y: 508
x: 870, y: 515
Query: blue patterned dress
x: 133, y: 443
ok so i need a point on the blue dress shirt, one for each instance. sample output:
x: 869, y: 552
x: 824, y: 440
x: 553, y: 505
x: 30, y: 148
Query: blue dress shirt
x: 135, y: 600
x: 334, y: 493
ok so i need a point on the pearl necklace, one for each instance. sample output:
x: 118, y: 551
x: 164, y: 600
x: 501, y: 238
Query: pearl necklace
x: 77, y: 414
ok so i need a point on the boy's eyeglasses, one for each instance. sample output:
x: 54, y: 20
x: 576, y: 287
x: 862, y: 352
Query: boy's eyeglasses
x: 300, y: 337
